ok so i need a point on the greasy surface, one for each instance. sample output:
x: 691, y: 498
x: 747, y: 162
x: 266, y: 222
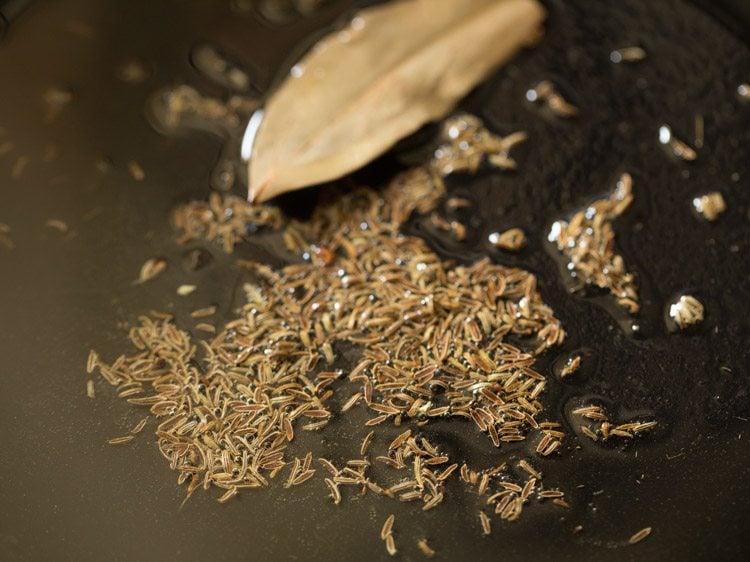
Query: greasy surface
x: 68, y: 495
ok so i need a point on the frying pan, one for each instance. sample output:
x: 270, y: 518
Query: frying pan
x: 67, y: 495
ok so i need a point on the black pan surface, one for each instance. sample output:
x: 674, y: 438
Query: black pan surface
x: 67, y: 495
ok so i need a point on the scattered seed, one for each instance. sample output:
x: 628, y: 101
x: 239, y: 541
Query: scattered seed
x: 530, y: 469
x: 120, y: 440
x: 366, y: 443
x: 92, y: 361
x: 677, y: 147
x: 185, y: 290
x: 390, y: 545
x: 90, y: 390
x: 425, y: 549
x: 588, y: 433
x: 640, y: 535
x: 387, y: 526
x: 546, y: 94
x: 627, y: 54
x: 699, y: 131
x: 486, y: 523
x: 204, y: 312
x: 132, y: 71
x: 511, y: 240
x: 229, y: 494
x: 456, y: 203
x: 151, y: 268
x: 19, y: 167
x: 56, y: 99
x: 57, y: 225
x: 139, y: 426
x: 571, y: 366
x: 686, y: 311
x: 710, y: 205
x: 333, y: 489
x: 136, y: 171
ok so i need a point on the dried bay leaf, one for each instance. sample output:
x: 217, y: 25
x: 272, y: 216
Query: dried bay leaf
x: 396, y: 67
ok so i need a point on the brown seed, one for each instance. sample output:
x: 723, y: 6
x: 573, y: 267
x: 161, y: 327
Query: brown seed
x: 571, y: 366
x: 151, y: 268
x: 387, y: 526
x: 640, y: 535
x: 588, y: 433
x: 699, y: 131
x: 203, y: 312
x: 686, y: 311
x: 530, y: 469
x: 139, y: 426
x: 185, y: 290
x: 229, y: 494
x: 511, y: 240
x: 333, y: 489
x: 120, y: 440
x: 486, y: 523
x: 366, y: 443
x: 398, y: 441
x: 425, y: 548
x: 676, y: 146
x: 390, y: 545
x: 58, y: 225
x: 92, y: 362
x: 136, y: 171
x: 710, y: 205
x: 627, y: 54
x: 546, y: 93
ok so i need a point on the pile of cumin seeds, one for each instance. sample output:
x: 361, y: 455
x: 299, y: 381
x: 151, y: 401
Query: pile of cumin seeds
x: 587, y: 241
x: 436, y: 340
x: 225, y: 219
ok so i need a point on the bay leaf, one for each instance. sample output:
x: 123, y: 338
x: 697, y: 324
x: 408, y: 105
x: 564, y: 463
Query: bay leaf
x: 361, y: 89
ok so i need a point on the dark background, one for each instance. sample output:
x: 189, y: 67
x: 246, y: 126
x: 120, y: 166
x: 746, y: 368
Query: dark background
x: 67, y: 495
